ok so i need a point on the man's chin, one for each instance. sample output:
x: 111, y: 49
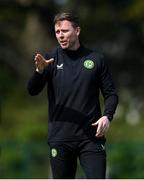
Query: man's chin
x: 64, y: 46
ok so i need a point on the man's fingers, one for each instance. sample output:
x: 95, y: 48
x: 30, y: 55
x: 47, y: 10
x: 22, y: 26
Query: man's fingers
x: 39, y: 58
x: 101, y: 130
x: 102, y: 125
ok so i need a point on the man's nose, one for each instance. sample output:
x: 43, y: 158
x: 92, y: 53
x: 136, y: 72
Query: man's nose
x: 61, y: 35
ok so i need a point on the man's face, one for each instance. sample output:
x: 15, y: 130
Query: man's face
x: 67, y: 35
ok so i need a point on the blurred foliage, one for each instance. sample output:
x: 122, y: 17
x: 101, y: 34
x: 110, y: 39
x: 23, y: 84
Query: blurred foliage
x: 113, y: 27
x: 126, y: 161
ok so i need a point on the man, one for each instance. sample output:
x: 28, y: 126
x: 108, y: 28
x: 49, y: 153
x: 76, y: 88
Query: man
x: 75, y: 75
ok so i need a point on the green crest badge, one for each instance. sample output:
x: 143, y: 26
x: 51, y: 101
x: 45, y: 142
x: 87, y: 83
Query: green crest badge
x: 89, y: 64
x: 54, y: 152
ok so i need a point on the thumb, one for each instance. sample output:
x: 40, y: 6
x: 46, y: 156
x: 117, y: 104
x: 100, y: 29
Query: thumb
x: 95, y: 124
x: 49, y: 61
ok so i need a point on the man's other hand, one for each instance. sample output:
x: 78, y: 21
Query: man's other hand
x: 102, y: 125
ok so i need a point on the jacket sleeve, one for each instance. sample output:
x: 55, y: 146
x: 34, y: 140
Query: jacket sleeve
x: 36, y: 83
x: 108, y: 90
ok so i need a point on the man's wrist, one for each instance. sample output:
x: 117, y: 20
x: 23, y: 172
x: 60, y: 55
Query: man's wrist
x: 108, y: 117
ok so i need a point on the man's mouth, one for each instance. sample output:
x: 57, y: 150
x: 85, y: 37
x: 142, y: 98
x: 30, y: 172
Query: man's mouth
x: 63, y: 42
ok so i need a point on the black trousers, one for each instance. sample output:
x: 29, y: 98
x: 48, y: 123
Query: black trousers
x: 91, y: 154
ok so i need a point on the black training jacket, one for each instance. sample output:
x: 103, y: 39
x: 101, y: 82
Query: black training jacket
x: 74, y: 82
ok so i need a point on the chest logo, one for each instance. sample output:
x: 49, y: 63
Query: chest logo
x: 60, y: 66
x: 89, y: 64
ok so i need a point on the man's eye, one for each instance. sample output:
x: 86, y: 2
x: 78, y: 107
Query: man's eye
x: 64, y: 31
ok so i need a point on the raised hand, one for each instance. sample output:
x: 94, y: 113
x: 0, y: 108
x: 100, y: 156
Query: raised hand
x: 41, y: 63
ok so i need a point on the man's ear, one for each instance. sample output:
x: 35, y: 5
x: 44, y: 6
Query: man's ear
x: 78, y: 29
